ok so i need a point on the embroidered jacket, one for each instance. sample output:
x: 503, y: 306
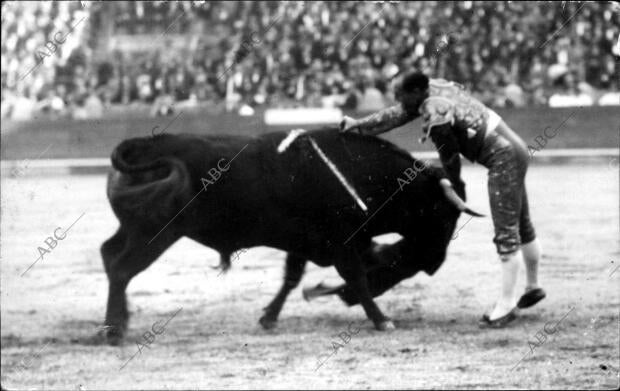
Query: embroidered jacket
x: 447, y: 103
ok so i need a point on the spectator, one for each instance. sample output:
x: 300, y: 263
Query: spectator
x: 569, y: 94
x: 299, y: 53
x: 370, y: 98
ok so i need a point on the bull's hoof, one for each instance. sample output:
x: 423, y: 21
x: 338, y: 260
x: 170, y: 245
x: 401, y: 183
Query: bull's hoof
x: 113, y: 335
x: 267, y: 322
x: 114, y: 340
x: 386, y: 325
x: 96, y: 339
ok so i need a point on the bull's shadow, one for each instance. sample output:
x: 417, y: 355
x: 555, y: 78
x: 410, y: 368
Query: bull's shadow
x: 302, y: 193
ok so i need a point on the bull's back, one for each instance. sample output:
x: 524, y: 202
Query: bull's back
x: 371, y: 166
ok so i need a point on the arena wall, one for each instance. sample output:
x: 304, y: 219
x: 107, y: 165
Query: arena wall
x: 592, y: 127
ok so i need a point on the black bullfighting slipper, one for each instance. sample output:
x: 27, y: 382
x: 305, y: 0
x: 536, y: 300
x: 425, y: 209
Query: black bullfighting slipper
x: 531, y: 297
x: 486, y: 322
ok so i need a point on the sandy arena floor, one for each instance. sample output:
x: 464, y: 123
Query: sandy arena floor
x: 215, y: 341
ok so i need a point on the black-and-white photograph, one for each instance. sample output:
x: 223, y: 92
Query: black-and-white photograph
x: 310, y: 195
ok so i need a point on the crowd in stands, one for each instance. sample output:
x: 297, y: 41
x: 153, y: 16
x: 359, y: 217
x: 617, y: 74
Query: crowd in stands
x: 312, y: 54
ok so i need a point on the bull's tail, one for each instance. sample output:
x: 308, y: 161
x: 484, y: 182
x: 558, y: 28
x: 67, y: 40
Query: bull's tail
x: 146, y: 185
x: 125, y: 156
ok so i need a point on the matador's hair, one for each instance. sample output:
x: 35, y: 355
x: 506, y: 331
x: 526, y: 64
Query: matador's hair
x: 414, y: 81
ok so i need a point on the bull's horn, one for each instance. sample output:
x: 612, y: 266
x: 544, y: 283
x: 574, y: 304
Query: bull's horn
x: 451, y: 195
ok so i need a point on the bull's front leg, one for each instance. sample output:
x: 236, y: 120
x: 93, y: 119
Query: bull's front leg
x: 354, y: 274
x: 374, y: 259
x: 293, y: 272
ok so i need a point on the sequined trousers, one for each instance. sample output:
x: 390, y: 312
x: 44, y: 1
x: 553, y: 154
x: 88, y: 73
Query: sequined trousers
x: 506, y: 157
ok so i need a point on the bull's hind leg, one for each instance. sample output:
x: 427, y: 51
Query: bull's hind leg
x: 293, y: 272
x: 116, y: 312
x: 126, y: 254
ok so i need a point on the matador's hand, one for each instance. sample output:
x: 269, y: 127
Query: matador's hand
x: 347, y: 124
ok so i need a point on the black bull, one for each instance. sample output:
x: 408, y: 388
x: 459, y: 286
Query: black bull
x: 166, y: 187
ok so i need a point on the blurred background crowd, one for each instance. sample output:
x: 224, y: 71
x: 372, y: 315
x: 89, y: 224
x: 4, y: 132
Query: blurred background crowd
x: 78, y: 58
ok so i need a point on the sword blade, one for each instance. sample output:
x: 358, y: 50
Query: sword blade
x: 338, y: 175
